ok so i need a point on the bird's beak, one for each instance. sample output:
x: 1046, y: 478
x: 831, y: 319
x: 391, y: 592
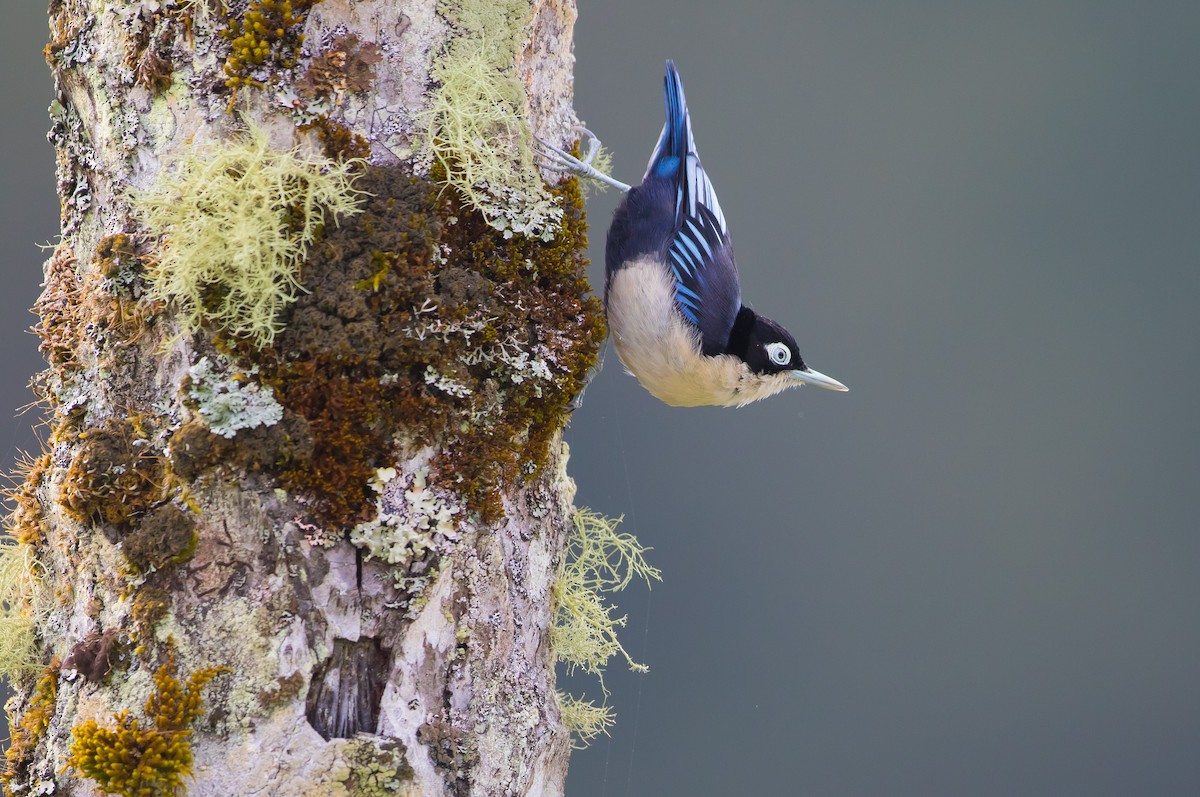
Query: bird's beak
x: 811, y: 377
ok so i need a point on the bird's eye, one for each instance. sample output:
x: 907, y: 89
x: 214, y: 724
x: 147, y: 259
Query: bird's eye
x: 779, y: 353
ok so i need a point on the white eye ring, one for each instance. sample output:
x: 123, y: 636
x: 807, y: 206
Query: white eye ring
x: 779, y: 353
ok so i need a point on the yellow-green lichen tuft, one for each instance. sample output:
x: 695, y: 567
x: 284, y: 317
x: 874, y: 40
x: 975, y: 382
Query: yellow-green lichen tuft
x: 152, y: 761
x: 477, y: 120
x: 18, y: 582
x: 584, y: 719
x: 237, y: 218
x: 584, y: 636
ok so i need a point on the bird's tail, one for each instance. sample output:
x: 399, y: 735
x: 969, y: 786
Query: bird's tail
x: 676, y: 141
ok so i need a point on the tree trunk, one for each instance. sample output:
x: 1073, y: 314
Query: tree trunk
x: 304, y: 493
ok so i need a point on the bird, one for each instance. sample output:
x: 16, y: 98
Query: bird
x: 671, y: 292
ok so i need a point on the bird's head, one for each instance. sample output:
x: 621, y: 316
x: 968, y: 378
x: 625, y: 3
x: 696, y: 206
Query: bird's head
x: 770, y: 355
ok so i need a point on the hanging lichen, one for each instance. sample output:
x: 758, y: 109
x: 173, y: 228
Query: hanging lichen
x: 598, y: 560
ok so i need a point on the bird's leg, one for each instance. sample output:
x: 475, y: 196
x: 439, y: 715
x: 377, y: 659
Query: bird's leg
x: 577, y: 401
x: 557, y: 160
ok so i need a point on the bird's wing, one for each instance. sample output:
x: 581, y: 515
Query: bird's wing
x: 707, y: 291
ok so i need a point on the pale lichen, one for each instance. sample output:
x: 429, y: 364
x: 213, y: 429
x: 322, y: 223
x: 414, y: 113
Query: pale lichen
x: 409, y: 521
x: 584, y: 718
x: 18, y: 612
x: 477, y: 120
x: 598, y: 560
x: 237, y: 218
x: 228, y: 405
x: 368, y: 767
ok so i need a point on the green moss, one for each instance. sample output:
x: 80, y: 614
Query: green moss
x: 532, y: 284
x: 164, y: 538
x: 111, y: 478
x: 266, y: 38
x: 150, y: 606
x: 152, y: 761
x: 598, y: 560
x: 341, y: 365
x: 237, y: 220
x: 423, y: 320
x: 26, y: 732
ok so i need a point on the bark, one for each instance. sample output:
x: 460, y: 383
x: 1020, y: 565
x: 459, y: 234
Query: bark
x: 358, y: 577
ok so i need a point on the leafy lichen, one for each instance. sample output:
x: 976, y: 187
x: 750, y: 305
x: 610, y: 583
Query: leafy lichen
x: 228, y: 405
x: 237, y: 219
x: 403, y: 530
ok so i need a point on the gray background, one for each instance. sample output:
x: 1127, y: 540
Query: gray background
x: 978, y: 572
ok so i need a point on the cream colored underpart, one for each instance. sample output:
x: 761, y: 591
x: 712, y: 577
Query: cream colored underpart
x: 662, y: 350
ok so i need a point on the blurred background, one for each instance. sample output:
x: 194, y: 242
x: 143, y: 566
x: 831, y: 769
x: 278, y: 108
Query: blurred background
x: 978, y: 572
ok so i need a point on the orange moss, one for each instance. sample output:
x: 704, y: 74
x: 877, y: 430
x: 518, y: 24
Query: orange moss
x: 136, y: 761
x: 346, y: 66
x: 338, y: 142
x: 27, y: 520
x: 421, y: 319
x: 60, y: 323
x: 27, y: 731
x: 346, y: 418
x: 164, y: 538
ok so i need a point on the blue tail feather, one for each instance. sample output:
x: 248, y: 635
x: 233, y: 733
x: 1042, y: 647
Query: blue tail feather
x: 675, y: 141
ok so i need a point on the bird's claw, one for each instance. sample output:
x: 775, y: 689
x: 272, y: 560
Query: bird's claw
x: 558, y: 160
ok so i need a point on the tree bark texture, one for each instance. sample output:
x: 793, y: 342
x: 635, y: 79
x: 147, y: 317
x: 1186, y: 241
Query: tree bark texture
x: 318, y: 562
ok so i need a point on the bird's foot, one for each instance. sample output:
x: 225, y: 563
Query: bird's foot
x: 577, y: 401
x: 557, y: 160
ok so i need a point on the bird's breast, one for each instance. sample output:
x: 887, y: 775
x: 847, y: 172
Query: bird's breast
x: 662, y: 349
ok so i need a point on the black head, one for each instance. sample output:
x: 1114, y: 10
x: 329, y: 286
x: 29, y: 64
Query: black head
x: 766, y: 347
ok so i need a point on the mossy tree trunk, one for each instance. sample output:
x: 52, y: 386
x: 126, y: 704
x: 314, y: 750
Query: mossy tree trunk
x: 301, y: 505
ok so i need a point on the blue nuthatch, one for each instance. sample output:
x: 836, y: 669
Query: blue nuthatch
x: 671, y: 288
